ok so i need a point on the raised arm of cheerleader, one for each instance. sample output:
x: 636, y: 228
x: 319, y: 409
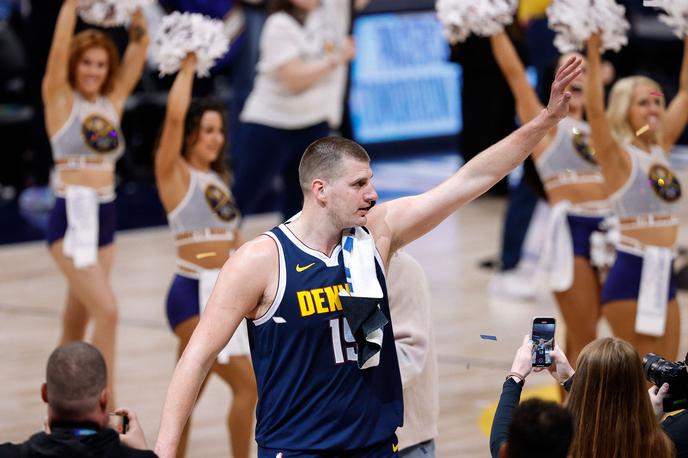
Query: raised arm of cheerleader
x: 677, y: 112
x: 169, y: 154
x: 528, y: 105
x: 608, y: 151
x: 133, y: 61
x: 56, y: 78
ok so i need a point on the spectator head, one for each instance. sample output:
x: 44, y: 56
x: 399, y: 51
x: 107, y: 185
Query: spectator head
x: 634, y: 102
x: 539, y: 429
x: 298, y: 9
x: 93, y: 63
x: 611, y: 410
x: 76, y: 380
x: 205, y: 135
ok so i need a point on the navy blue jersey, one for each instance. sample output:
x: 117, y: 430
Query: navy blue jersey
x: 311, y: 394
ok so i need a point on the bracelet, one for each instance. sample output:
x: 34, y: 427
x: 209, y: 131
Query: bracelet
x: 517, y: 375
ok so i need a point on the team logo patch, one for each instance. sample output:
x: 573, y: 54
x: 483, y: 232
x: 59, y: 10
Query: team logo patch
x: 581, y: 144
x: 664, y: 183
x: 220, y: 203
x: 99, y: 134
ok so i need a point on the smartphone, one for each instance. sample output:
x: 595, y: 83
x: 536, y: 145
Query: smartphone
x: 119, y: 423
x: 542, y: 337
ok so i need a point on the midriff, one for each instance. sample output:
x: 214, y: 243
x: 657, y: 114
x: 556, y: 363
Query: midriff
x: 206, y: 255
x: 577, y: 193
x: 88, y: 178
x: 656, y: 236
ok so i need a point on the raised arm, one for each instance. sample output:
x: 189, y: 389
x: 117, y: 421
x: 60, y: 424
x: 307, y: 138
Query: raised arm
x: 527, y: 103
x: 56, y: 78
x: 608, y: 151
x: 403, y: 220
x: 133, y: 61
x: 169, y: 153
x: 238, y: 291
x: 677, y: 112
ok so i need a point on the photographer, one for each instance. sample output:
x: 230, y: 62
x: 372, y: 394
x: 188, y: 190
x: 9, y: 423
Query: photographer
x: 77, y: 423
x: 675, y: 426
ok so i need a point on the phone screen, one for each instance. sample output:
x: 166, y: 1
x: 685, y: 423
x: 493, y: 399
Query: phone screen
x: 543, y: 341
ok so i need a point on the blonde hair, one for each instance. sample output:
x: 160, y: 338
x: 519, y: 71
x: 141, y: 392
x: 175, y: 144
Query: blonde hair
x: 620, y: 99
x: 609, y: 384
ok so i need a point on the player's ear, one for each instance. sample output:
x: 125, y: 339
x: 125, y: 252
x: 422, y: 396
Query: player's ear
x: 318, y: 186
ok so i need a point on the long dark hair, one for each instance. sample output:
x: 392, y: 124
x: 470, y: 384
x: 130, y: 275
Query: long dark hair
x: 191, y: 125
x: 275, y: 6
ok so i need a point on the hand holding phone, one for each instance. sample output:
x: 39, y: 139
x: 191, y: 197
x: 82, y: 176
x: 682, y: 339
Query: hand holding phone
x: 118, y: 422
x: 542, y: 336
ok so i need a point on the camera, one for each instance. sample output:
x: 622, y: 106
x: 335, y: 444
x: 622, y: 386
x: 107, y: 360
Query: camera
x: 659, y: 371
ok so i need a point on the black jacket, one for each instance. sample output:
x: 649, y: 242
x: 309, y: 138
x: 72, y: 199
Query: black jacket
x: 63, y: 443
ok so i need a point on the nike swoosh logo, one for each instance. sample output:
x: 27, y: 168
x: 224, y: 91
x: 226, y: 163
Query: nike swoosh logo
x: 395, y: 448
x: 301, y: 269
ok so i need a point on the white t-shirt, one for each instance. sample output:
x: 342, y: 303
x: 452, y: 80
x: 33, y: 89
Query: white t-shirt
x: 271, y: 103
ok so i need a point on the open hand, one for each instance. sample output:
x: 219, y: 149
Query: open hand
x: 558, y: 105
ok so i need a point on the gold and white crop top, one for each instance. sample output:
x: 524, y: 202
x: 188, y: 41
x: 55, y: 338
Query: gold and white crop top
x: 569, y: 159
x: 206, y: 213
x: 91, y: 137
x: 650, y: 196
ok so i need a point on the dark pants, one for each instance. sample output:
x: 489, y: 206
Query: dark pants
x: 243, y: 70
x: 264, y: 154
x: 522, y: 202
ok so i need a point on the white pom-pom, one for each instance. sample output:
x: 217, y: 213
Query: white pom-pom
x: 575, y: 20
x: 460, y: 18
x: 676, y: 16
x: 109, y: 13
x: 182, y: 33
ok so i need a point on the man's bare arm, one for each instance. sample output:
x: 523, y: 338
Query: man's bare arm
x: 238, y: 291
x: 404, y: 220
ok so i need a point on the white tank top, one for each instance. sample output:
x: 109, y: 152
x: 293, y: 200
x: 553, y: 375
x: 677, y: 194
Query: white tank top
x: 92, y: 130
x: 570, y: 158
x: 651, y: 189
x: 208, y: 204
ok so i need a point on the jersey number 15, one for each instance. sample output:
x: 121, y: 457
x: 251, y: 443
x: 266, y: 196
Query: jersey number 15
x: 339, y: 327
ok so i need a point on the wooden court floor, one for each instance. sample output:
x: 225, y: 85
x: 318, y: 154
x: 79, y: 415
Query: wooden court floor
x: 471, y: 370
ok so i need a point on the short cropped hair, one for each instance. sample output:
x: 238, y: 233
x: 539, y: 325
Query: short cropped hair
x: 323, y: 157
x: 540, y: 429
x: 75, y: 376
x: 92, y: 38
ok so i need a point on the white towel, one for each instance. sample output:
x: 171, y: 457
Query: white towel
x: 650, y: 318
x: 238, y: 344
x: 358, y: 249
x: 555, y: 267
x: 81, y: 237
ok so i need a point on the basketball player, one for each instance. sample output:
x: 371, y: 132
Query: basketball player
x: 312, y: 397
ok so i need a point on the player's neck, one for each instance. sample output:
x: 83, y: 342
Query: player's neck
x: 316, y: 232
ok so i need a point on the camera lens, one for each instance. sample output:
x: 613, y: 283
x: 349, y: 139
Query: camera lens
x: 650, y: 364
